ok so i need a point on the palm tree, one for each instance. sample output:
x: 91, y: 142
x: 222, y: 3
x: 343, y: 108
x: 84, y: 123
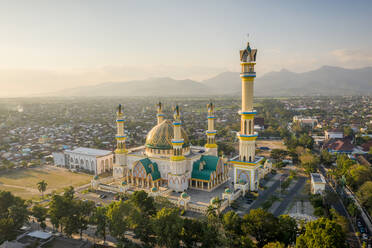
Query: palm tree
x: 41, y: 186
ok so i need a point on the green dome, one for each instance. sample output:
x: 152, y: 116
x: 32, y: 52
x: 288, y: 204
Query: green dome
x: 154, y: 189
x: 228, y: 191
x: 124, y: 183
x: 95, y: 177
x: 160, y: 136
x: 184, y: 195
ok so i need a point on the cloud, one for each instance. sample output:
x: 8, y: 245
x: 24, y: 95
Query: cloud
x: 349, y: 56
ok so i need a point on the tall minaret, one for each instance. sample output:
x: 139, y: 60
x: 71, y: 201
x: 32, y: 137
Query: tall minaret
x: 211, y: 145
x: 121, y: 151
x: 178, y: 173
x: 160, y: 115
x: 246, y: 165
x: 177, y: 141
x: 247, y: 137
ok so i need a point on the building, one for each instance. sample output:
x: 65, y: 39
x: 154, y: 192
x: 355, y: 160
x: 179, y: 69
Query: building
x: 87, y: 159
x: 305, y: 120
x: 259, y: 123
x: 339, y: 146
x: 247, y: 165
x: 318, y: 183
x: 167, y: 159
x: 334, y: 134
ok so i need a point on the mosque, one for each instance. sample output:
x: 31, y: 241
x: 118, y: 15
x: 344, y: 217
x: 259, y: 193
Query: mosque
x: 169, y: 160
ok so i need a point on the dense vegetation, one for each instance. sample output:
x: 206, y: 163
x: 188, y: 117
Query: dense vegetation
x: 158, y: 222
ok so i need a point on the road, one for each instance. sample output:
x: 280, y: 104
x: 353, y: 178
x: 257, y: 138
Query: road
x: 265, y: 194
x: 289, y: 197
x: 340, y: 208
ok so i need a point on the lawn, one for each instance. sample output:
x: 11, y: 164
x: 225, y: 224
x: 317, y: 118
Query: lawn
x: 22, y: 182
x: 272, y: 144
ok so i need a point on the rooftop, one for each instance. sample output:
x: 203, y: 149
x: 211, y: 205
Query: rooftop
x: 91, y: 151
x: 317, y: 178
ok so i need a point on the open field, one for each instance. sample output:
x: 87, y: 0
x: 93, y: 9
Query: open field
x: 272, y: 144
x: 22, y: 182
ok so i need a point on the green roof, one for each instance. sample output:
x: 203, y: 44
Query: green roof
x: 209, y: 167
x: 146, y: 162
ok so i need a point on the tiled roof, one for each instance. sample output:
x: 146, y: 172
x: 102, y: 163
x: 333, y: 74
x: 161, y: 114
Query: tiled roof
x: 366, y: 146
x: 210, y: 165
x: 151, y: 167
x: 339, y: 145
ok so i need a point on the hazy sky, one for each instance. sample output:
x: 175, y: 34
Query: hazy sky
x: 49, y: 45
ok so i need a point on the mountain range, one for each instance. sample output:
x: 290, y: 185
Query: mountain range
x: 326, y: 81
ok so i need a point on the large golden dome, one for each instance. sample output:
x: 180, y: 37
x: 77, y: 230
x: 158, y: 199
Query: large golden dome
x: 160, y: 136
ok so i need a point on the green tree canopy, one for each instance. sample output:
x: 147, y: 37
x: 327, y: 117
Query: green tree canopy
x: 365, y: 195
x: 42, y: 186
x: 13, y: 215
x: 322, y: 233
x: 274, y: 245
x: 287, y: 229
x: 167, y: 226
x: 262, y: 225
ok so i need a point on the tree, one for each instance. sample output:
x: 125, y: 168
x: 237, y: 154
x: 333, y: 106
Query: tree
x: 359, y: 174
x: 348, y: 132
x: 191, y: 233
x: 274, y: 245
x: 365, y: 195
x: 13, y: 215
x: 278, y: 154
x: 57, y: 207
x: 167, y: 226
x: 82, y: 214
x: 100, y: 219
x: 339, y: 219
x: 322, y: 233
x: 326, y: 158
x: 118, y: 223
x: 40, y: 213
x: 287, y: 229
x: 262, y: 225
x: 306, y: 141
x: 141, y: 200
x: 232, y: 226
x: 211, y: 235
x: 42, y: 186
x: 309, y: 161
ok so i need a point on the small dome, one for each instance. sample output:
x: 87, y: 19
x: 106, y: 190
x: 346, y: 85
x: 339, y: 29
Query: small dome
x: 154, y: 189
x: 95, y: 178
x: 184, y: 195
x: 160, y: 136
x: 124, y: 183
x: 228, y: 191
